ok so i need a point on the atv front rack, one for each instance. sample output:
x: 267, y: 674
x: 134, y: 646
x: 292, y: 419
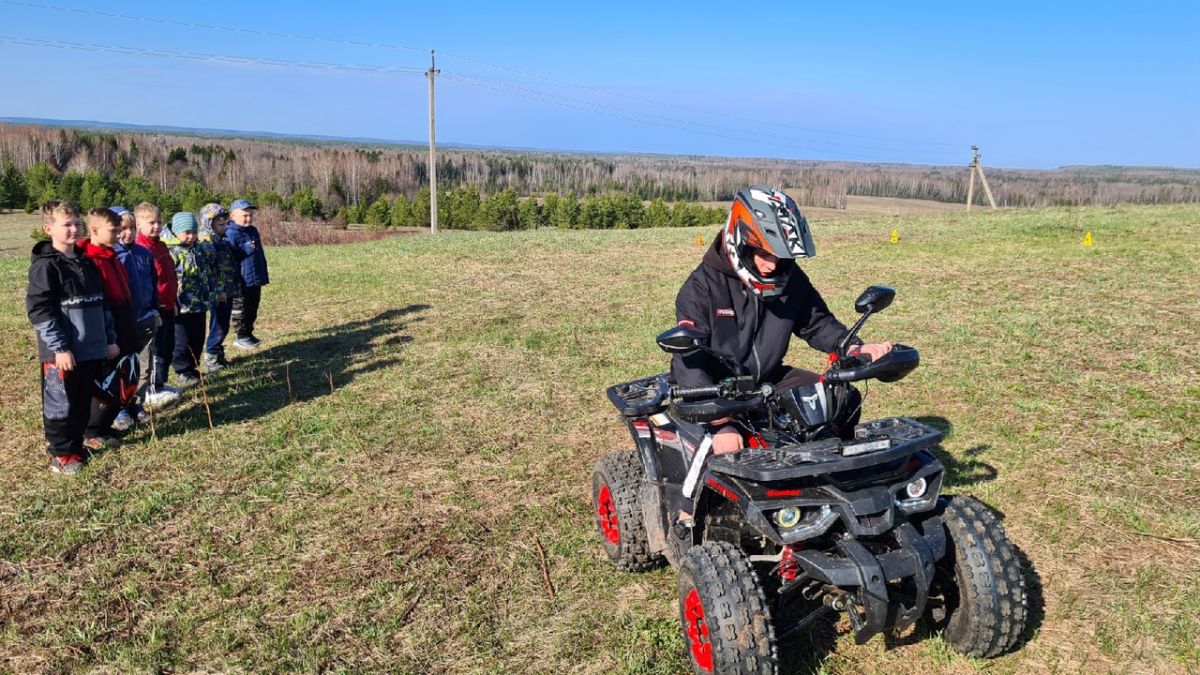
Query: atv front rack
x: 875, y: 442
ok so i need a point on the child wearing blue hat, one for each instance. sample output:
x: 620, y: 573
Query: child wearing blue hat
x: 197, y: 295
x: 252, y: 264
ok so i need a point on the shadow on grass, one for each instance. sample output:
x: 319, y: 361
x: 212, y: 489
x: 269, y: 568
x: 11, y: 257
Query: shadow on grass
x: 807, y: 650
x: 967, y: 470
x: 272, y: 378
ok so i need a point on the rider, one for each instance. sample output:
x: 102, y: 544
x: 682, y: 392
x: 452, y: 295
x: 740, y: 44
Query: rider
x: 750, y: 297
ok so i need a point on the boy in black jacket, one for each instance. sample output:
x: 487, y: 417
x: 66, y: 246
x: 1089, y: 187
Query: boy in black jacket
x: 75, y: 333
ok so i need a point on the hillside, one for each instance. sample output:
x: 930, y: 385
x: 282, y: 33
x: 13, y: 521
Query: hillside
x: 380, y: 477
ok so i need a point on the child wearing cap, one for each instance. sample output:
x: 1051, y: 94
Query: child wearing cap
x: 197, y: 294
x: 252, y: 268
x: 213, y: 221
x: 143, y: 290
x: 154, y: 373
x: 65, y: 303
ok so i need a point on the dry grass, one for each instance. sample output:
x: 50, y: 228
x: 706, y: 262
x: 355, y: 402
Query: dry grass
x: 415, y: 518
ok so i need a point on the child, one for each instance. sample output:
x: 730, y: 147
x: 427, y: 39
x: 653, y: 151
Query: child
x: 65, y: 303
x: 247, y: 247
x: 102, y: 226
x: 213, y: 221
x: 197, y: 294
x: 143, y: 288
x: 154, y: 373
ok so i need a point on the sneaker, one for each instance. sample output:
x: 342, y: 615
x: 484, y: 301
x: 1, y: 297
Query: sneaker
x: 98, y: 443
x: 174, y: 390
x: 247, y: 342
x: 214, y: 362
x: 67, y: 465
x: 186, y: 380
x: 124, y: 421
x: 143, y: 415
x: 157, y: 400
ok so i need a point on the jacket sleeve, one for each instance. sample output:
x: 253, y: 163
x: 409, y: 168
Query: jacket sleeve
x: 110, y: 325
x: 243, y: 245
x: 41, y: 303
x: 815, y: 324
x: 694, y: 369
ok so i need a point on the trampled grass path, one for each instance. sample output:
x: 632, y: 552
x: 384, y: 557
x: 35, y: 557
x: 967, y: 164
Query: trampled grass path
x: 384, y: 511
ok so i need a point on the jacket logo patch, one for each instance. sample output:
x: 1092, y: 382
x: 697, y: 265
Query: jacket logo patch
x: 725, y: 311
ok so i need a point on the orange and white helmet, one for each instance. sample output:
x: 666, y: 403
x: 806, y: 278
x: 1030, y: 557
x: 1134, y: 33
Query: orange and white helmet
x: 765, y: 218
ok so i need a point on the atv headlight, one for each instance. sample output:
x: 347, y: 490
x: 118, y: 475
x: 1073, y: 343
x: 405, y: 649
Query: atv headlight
x: 916, y: 488
x: 788, y: 517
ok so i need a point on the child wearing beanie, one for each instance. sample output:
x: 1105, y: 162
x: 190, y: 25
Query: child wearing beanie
x: 197, y: 295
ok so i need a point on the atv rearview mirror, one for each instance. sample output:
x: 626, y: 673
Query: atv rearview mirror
x: 874, y: 299
x: 682, y: 339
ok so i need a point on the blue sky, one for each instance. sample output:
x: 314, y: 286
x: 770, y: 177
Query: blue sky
x: 1034, y: 84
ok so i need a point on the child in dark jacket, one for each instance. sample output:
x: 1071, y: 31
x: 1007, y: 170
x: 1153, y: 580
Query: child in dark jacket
x: 197, y: 294
x: 75, y: 335
x: 143, y: 288
x: 247, y: 248
x: 103, y: 226
x: 213, y: 222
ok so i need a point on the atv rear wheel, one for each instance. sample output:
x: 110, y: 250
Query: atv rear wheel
x: 726, y: 624
x: 980, y: 582
x: 618, y: 513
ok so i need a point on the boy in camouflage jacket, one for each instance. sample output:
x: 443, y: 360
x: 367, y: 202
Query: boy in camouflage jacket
x: 214, y: 218
x: 197, y: 294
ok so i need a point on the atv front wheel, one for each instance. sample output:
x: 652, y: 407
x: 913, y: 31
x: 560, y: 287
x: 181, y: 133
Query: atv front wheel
x: 618, y: 513
x: 726, y: 624
x: 980, y: 581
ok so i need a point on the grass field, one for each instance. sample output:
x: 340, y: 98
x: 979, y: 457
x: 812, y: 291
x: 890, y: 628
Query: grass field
x: 382, y: 478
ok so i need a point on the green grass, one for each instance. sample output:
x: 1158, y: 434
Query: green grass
x: 446, y: 403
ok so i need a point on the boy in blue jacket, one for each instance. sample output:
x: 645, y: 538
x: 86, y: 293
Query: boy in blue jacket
x: 75, y: 333
x: 247, y: 251
x: 143, y: 287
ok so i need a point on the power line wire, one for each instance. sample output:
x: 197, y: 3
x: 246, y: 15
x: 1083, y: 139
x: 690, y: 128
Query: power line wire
x: 196, y: 56
x: 686, y: 108
x: 205, y: 26
x: 809, y: 144
x: 762, y: 139
x: 487, y: 64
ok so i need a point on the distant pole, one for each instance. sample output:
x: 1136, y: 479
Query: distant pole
x: 977, y: 168
x: 432, y: 73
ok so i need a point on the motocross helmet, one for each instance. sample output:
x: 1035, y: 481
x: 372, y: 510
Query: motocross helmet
x: 767, y: 219
x: 119, y: 385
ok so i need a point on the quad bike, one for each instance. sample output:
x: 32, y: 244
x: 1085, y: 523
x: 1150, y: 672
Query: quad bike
x: 814, y: 515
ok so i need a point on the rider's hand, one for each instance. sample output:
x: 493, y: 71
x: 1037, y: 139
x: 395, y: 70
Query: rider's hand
x: 112, y: 352
x: 874, y: 350
x: 727, y: 439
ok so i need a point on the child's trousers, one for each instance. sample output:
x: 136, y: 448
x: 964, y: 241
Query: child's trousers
x: 189, y: 342
x: 67, y: 405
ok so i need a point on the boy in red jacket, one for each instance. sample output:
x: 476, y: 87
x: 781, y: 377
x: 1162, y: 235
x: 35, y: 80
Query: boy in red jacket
x: 103, y: 226
x: 150, y: 226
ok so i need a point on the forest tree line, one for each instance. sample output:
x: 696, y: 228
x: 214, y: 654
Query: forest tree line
x: 355, y: 183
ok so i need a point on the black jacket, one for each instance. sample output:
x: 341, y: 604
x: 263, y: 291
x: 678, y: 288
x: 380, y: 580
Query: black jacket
x: 65, y: 303
x: 753, y: 332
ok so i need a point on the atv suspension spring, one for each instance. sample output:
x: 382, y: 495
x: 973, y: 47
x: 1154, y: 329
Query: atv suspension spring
x: 788, y: 568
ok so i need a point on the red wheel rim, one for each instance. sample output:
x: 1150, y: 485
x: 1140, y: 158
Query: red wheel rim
x: 697, y: 631
x: 607, y: 510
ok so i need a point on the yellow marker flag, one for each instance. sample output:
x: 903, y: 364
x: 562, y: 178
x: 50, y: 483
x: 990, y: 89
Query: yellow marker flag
x: 1087, y: 238
x: 895, y: 235
x: 699, y: 240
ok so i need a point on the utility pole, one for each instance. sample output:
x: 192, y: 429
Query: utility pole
x: 433, y: 192
x: 977, y: 168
